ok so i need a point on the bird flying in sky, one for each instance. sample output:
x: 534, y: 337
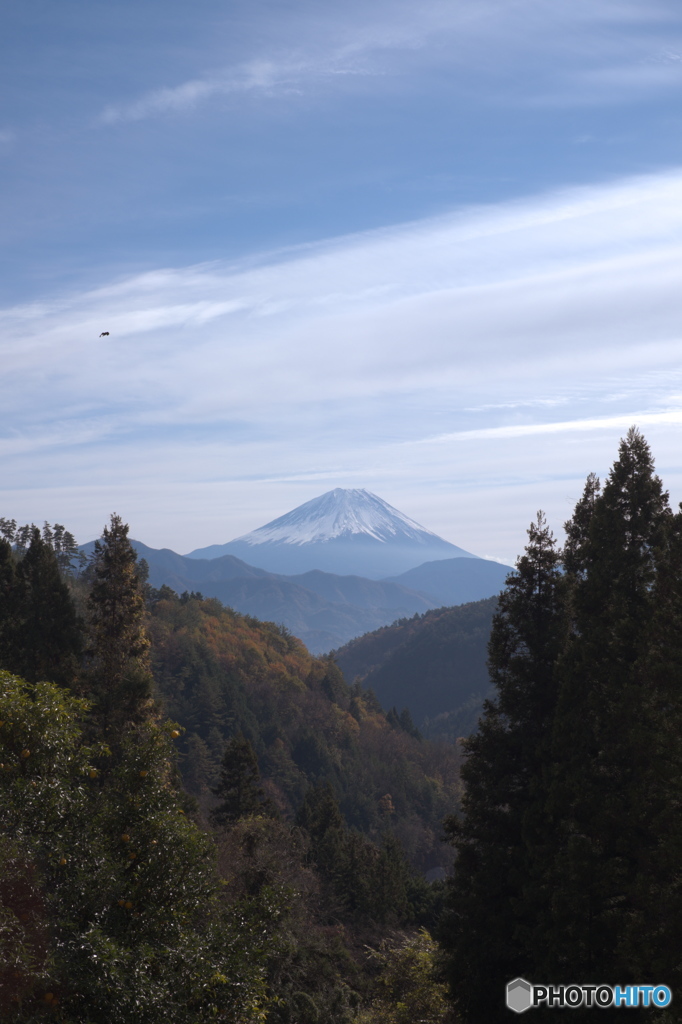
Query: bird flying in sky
x: 104, y: 334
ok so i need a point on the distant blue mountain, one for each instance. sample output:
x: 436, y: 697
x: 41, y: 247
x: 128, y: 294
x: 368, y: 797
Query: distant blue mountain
x: 324, y: 609
x: 346, y: 532
x: 452, y: 581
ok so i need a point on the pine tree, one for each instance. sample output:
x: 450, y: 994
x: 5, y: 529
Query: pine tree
x: 606, y: 794
x: 48, y: 636
x: 8, y: 606
x: 65, y: 548
x: 119, y: 664
x: 486, y: 923
x: 239, y: 788
x: 652, y: 935
x: 570, y: 841
x: 198, y: 766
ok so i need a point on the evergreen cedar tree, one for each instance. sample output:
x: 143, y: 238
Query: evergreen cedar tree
x: 119, y: 666
x: 570, y: 834
x: 239, y: 789
x: 40, y: 633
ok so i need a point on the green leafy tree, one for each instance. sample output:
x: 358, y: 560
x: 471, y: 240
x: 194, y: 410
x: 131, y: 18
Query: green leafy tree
x: 408, y: 988
x: 111, y: 905
x: 119, y: 669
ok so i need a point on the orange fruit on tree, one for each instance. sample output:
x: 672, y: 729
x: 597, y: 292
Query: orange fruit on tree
x: 48, y: 997
x: 128, y: 905
x: 62, y: 861
x: 25, y: 752
x: 92, y: 773
x: 125, y: 837
x: 144, y: 772
x: 175, y: 734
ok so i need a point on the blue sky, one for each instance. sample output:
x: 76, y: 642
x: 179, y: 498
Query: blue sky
x: 433, y: 250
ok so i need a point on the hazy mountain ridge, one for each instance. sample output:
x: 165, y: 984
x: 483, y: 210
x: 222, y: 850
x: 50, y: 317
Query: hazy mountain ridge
x: 340, y: 551
x: 324, y: 610
x: 345, y: 531
x: 434, y: 664
x: 449, y: 581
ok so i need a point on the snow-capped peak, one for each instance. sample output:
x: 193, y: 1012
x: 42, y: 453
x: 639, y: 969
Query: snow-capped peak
x: 341, y: 513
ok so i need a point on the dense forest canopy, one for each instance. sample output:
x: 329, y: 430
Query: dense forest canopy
x: 230, y: 862
x: 435, y: 664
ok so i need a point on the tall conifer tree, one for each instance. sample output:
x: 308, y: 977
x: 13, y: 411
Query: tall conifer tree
x: 48, y: 637
x: 239, y: 788
x: 485, y: 924
x: 119, y: 668
x: 652, y: 938
x: 570, y: 842
x: 604, y: 748
x: 8, y: 605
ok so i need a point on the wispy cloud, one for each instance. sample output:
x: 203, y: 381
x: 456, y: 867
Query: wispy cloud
x: 263, y: 77
x: 507, y: 336
x: 544, y: 52
x: 668, y: 418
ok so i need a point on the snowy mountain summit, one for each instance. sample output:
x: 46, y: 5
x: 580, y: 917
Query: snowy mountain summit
x: 345, y: 531
x: 340, y: 513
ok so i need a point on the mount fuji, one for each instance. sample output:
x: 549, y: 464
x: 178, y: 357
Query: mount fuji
x: 345, y: 531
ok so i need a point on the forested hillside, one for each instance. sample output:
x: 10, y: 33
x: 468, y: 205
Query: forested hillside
x: 284, y: 881
x: 220, y: 673
x: 251, y: 894
x: 434, y: 664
